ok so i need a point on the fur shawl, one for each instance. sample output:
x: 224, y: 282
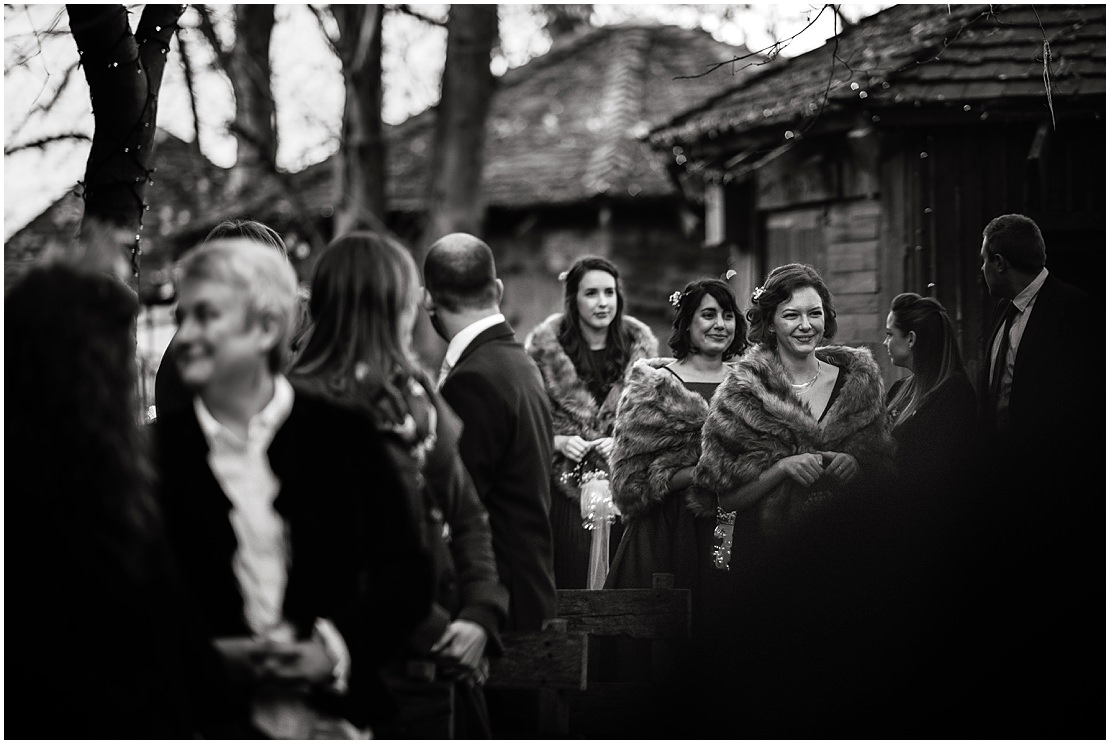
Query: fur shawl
x: 756, y: 420
x: 657, y: 433
x: 573, y: 409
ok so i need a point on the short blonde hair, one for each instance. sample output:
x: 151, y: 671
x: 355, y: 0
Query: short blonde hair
x: 265, y: 277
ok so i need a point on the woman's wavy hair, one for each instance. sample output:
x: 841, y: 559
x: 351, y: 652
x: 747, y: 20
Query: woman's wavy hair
x: 363, y: 306
x: 688, y: 303
x: 618, y: 342
x: 781, y: 283
x: 936, y: 351
x: 72, y: 419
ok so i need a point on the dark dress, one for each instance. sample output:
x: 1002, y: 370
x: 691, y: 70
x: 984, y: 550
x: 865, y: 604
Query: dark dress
x: 572, y: 540
x: 668, y: 538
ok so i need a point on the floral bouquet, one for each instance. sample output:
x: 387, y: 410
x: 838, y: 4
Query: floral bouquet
x: 598, y: 514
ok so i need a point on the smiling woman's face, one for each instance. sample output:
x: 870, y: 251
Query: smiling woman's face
x: 799, y: 322
x: 712, y: 328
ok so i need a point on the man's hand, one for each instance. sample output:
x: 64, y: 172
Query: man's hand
x: 464, y: 642
x: 252, y: 660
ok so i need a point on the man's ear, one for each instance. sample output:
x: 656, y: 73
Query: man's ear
x: 426, y: 299
x: 500, y: 290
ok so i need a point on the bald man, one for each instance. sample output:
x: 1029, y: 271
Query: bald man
x: 496, y: 389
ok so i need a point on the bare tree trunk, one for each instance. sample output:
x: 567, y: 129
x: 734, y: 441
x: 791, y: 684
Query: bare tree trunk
x: 255, y: 124
x: 124, y: 72
x: 360, y: 165
x: 455, y: 198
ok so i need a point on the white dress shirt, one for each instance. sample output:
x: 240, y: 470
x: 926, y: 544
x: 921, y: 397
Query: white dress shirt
x: 261, y: 561
x: 463, y: 339
x: 1024, y: 303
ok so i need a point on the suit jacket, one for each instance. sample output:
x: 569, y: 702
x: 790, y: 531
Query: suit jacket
x: 356, y: 555
x: 496, y: 390
x: 1046, y: 397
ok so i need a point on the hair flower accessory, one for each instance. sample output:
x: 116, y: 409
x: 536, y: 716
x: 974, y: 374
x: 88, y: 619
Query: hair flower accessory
x: 757, y: 293
x: 563, y: 276
x: 676, y: 298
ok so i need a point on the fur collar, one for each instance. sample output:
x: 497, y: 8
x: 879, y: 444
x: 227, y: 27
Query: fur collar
x: 657, y: 432
x: 756, y: 420
x: 573, y: 408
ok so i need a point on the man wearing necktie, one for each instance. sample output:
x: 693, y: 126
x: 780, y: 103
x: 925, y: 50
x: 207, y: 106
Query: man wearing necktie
x: 1038, y: 582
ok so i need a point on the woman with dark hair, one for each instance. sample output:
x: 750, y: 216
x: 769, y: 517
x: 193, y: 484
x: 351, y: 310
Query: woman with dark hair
x: 102, y: 643
x: 657, y: 440
x: 359, y: 351
x: 932, y: 412
x: 583, y: 355
x: 933, y: 415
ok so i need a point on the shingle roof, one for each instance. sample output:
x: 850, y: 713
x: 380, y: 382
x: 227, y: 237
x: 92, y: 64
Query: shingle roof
x: 916, y: 55
x: 567, y: 126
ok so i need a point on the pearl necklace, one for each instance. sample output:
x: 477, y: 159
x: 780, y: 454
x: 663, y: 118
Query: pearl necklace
x: 806, y: 385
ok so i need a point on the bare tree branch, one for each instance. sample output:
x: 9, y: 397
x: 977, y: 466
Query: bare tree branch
x: 772, y: 50
x: 367, y: 32
x: 49, y: 104
x: 187, y: 68
x: 409, y: 11
x: 208, y: 31
x: 41, y: 143
x: 1046, y: 74
x: 322, y: 21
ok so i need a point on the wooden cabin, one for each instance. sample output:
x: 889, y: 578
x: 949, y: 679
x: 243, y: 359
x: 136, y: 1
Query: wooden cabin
x: 879, y: 157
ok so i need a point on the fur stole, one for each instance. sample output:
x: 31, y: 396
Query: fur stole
x: 573, y: 409
x: 657, y: 432
x: 756, y: 420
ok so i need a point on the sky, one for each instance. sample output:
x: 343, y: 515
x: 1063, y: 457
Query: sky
x: 307, y: 83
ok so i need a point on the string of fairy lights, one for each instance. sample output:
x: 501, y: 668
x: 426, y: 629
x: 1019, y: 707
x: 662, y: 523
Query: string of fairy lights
x: 140, y: 176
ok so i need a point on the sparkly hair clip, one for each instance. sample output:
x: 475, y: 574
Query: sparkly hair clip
x: 757, y: 293
x: 676, y: 298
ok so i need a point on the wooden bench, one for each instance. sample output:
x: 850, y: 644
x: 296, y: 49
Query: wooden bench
x: 553, y: 662
x: 654, y: 622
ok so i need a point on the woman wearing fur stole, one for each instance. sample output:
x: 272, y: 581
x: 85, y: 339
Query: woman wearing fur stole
x: 583, y: 355
x: 796, y: 424
x: 657, y: 440
x: 797, y: 441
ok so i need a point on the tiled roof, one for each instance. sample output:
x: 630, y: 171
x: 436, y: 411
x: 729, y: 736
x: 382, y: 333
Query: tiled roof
x: 916, y: 55
x: 567, y: 126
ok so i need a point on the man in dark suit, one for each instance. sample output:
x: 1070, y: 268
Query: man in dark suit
x: 1028, y: 390
x: 297, y: 540
x: 495, y: 388
x: 1041, y: 582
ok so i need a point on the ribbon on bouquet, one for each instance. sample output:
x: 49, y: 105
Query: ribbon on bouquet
x: 598, y: 514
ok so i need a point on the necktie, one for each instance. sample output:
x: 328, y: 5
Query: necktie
x: 443, y: 370
x: 1003, y: 350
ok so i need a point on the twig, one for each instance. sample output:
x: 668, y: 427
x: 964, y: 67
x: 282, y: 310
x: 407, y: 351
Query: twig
x: 44, y: 141
x: 1046, y: 73
x: 774, y: 47
x: 407, y: 10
